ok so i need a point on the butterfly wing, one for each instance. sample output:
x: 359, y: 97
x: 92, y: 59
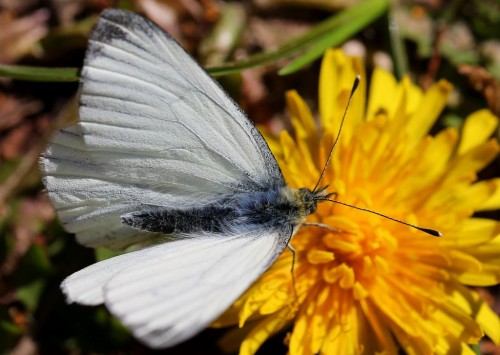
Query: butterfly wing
x: 154, y: 129
x: 169, y: 292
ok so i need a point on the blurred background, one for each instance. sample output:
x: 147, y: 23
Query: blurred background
x: 271, y: 46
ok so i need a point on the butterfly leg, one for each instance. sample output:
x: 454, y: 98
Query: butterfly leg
x: 322, y: 225
x: 289, y: 246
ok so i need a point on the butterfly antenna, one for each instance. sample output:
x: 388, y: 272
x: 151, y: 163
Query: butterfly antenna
x: 354, y: 87
x: 432, y: 232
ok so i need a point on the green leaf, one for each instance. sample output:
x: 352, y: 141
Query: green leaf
x: 9, y: 335
x: 34, y: 265
x: 105, y: 253
x: 39, y: 73
x: 331, y: 32
x: 336, y: 30
x: 29, y: 294
x: 452, y: 120
x: 475, y: 348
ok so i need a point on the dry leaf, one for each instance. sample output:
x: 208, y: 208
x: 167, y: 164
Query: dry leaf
x: 485, y: 83
x: 19, y: 35
x: 13, y: 110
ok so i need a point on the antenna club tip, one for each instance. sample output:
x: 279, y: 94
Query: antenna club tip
x: 357, y: 79
x: 432, y: 232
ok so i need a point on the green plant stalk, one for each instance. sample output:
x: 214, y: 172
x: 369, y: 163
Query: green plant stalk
x: 39, y: 73
x: 398, y: 47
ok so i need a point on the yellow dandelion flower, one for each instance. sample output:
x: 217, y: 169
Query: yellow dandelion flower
x: 377, y: 286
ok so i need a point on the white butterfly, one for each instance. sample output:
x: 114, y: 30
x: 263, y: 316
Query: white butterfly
x: 161, y: 152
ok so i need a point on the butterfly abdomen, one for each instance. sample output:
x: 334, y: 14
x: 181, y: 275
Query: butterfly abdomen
x: 270, y: 208
x: 171, y: 221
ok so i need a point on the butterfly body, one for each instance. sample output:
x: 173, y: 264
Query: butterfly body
x: 242, y: 212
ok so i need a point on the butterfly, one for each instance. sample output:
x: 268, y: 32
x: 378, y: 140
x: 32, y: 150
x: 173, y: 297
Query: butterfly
x: 162, y: 156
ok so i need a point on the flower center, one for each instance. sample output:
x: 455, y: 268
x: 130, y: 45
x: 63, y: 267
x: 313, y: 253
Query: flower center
x: 348, y: 259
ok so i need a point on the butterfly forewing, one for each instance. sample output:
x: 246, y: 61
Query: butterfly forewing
x: 154, y: 130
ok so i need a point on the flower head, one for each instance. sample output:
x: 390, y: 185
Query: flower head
x: 375, y: 285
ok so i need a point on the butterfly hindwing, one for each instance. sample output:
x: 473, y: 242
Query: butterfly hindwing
x: 171, y: 291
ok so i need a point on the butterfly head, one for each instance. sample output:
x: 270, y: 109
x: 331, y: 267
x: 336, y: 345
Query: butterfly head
x: 308, y: 199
